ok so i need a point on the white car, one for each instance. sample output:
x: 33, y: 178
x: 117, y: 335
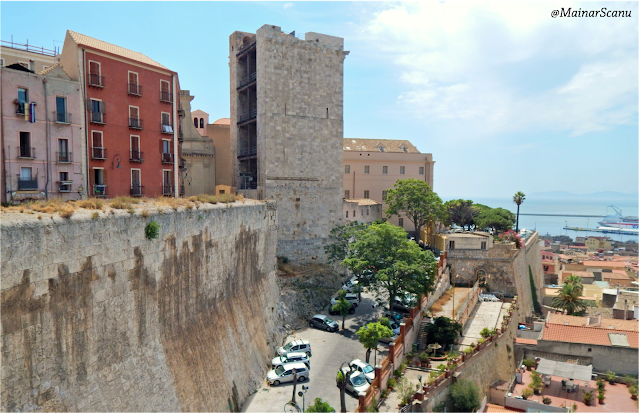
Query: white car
x: 351, y: 285
x: 284, y: 373
x: 352, y: 298
x: 290, y: 358
x: 395, y: 328
x: 364, y: 368
x: 357, y: 382
x: 295, y: 346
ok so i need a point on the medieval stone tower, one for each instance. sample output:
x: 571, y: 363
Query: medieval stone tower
x: 287, y: 130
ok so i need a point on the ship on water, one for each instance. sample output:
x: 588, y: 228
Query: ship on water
x: 618, y: 221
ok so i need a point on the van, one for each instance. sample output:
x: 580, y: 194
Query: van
x: 284, y: 373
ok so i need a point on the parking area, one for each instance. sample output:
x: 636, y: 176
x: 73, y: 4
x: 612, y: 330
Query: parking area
x: 329, y: 351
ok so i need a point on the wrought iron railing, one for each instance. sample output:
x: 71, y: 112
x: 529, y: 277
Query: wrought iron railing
x: 136, y: 123
x: 252, y: 114
x: 136, y: 156
x: 95, y: 80
x: 21, y: 107
x: 166, y: 128
x: 134, y: 89
x: 167, y: 157
x: 27, y: 184
x: 100, y: 191
x: 166, y: 97
x: 62, y: 117
x: 248, y: 80
x: 136, y: 190
x: 167, y: 190
x: 64, y: 186
x: 64, y: 157
x: 251, y: 151
x: 26, y: 152
x: 98, y: 153
x: 98, y: 117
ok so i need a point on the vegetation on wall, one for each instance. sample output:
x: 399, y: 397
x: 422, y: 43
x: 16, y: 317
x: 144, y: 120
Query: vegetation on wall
x: 534, y: 294
x: 152, y: 230
x: 465, y: 396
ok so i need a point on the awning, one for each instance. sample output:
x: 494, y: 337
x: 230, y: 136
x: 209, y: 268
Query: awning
x: 566, y: 370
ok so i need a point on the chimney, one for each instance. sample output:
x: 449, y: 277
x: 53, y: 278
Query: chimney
x: 32, y: 65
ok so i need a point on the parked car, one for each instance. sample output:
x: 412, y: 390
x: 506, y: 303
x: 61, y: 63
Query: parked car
x: 392, y: 315
x: 295, y: 346
x: 404, y: 302
x: 364, y: 368
x: 351, y: 285
x: 351, y: 297
x: 291, y: 358
x: 357, y: 382
x: 395, y: 328
x: 284, y: 373
x: 323, y: 322
x: 351, y: 310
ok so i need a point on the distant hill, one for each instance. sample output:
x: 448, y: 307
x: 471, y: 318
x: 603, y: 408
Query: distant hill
x: 565, y: 194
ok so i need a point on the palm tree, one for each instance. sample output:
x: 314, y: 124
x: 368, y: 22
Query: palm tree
x: 518, y: 199
x: 576, y: 281
x: 568, y: 299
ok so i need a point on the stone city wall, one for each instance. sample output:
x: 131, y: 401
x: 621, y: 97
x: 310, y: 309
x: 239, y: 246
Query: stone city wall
x: 95, y: 317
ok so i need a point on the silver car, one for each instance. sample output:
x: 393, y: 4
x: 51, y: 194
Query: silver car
x: 290, y: 358
x: 364, y: 368
x: 357, y: 383
x: 295, y: 346
x: 284, y: 373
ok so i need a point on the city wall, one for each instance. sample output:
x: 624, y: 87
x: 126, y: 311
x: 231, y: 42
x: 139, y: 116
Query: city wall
x: 95, y: 317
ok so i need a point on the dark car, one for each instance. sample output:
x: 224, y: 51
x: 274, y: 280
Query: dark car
x: 351, y: 310
x: 323, y: 322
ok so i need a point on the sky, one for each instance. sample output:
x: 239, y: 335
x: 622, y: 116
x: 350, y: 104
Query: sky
x: 506, y: 97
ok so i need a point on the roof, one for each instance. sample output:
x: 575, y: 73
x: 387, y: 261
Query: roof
x: 614, y: 276
x: 363, y: 201
x: 49, y: 69
x: 605, y: 264
x: 496, y: 408
x: 521, y: 340
x: 608, y: 323
x: 587, y: 335
x: 547, y: 252
x: 373, y: 145
x: 93, y: 43
x: 223, y: 121
x: 581, y: 274
x: 500, y: 385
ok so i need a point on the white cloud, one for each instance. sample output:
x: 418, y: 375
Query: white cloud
x: 287, y: 5
x: 505, y: 67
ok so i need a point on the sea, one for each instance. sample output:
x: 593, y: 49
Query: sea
x: 563, y: 203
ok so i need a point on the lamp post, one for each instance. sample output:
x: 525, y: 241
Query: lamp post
x: 302, y: 393
x: 116, y: 158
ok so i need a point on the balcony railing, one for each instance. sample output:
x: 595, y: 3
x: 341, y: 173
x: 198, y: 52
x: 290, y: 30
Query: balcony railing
x: 136, y: 190
x: 134, y: 89
x: 247, y: 80
x: 98, y: 117
x: 95, y: 80
x: 251, y: 151
x: 166, y: 128
x: 24, y: 152
x: 27, y: 184
x: 98, y: 153
x: 166, y: 97
x: 167, y: 157
x: 252, y: 114
x: 65, y: 186
x: 181, y: 190
x: 21, y: 108
x: 167, y: 190
x: 135, y: 123
x: 136, y: 156
x: 248, y: 184
x: 100, y: 191
x: 62, y: 117
x: 64, y: 157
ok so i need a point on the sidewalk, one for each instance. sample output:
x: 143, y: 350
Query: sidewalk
x: 390, y: 404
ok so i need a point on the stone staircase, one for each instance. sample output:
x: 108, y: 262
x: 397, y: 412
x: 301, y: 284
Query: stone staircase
x: 422, y: 335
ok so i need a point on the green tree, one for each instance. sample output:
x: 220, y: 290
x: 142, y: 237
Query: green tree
x: 568, y: 299
x: 320, y: 406
x: 461, y: 212
x: 465, y: 396
x: 416, y: 200
x: 339, y: 239
x: 498, y: 219
x: 342, y: 306
x: 341, y: 380
x: 397, y: 264
x: 370, y: 334
x: 518, y: 199
x: 576, y: 281
x: 443, y: 331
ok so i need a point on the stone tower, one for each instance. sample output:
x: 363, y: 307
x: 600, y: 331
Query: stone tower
x: 287, y: 130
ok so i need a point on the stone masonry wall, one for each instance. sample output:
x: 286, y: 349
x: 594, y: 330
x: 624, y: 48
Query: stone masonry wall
x: 95, y: 317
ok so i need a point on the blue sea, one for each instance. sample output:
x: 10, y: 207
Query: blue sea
x: 567, y: 204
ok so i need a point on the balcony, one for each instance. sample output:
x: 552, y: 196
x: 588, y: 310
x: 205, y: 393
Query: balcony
x: 246, y: 152
x: 95, y: 80
x: 99, y: 191
x: 167, y: 190
x: 27, y: 184
x: 248, y: 184
x: 252, y: 114
x: 62, y: 117
x: 166, y: 128
x: 181, y: 190
x: 98, y: 117
x: 64, y: 186
x: 21, y: 107
x: 64, y: 157
x: 134, y: 89
x: 135, y: 123
x: 136, y: 190
x: 136, y: 156
x: 166, y: 97
x: 167, y: 158
x: 247, y: 80
x: 25, y: 152
x: 99, y: 153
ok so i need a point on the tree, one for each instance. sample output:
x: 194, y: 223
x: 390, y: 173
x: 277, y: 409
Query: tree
x: 320, y: 406
x: 461, y: 212
x: 370, y: 334
x: 465, y: 396
x: 339, y: 239
x: 397, y: 264
x: 416, y: 200
x: 342, y: 306
x: 518, y: 199
x: 341, y: 380
x: 576, y: 281
x: 443, y: 331
x: 498, y: 219
x: 568, y: 299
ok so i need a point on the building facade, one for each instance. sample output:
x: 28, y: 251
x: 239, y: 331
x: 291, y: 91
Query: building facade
x: 219, y: 132
x: 287, y: 130
x: 372, y: 166
x: 36, y: 59
x: 41, y: 134
x: 364, y: 211
x: 129, y: 115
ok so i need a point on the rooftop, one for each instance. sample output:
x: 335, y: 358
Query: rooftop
x: 521, y: 340
x: 589, y: 335
x: 605, y: 264
x: 363, y: 201
x: 625, y: 325
x: 223, y: 121
x: 379, y: 145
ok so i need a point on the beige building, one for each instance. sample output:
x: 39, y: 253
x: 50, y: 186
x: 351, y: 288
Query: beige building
x: 33, y: 58
x: 364, y: 211
x: 200, y: 121
x: 372, y: 166
x: 595, y: 243
x: 219, y: 133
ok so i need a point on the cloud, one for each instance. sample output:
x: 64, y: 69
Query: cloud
x: 287, y: 5
x: 508, y: 67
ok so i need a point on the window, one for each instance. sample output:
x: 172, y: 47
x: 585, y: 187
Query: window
x: 26, y: 180
x: 202, y: 122
x: 384, y: 195
x: 166, y: 123
x: 452, y: 245
x: 25, y: 146
x: 165, y: 95
x: 401, y: 222
x: 347, y: 169
x: 366, y: 169
x: 402, y: 170
x: 134, y: 87
x: 1, y: 62
x: 24, y: 64
x: 347, y: 194
x: 421, y: 170
x: 136, y: 155
x: 354, y: 213
x: 61, y: 109
x: 134, y: 117
x: 367, y: 211
x: 65, y: 184
x: 362, y: 212
x: 385, y: 170
x: 347, y: 214
x: 95, y: 78
x: 166, y: 182
x: 23, y: 99
x: 63, y: 151
x: 195, y: 122
x: 165, y: 149
x: 98, y: 109
x: 97, y: 150
x: 136, y: 187
x: 99, y: 182
x: 25, y: 173
x: 483, y: 245
x: 366, y: 194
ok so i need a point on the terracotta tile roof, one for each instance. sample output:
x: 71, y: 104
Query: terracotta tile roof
x: 88, y: 41
x: 223, y: 121
x: 50, y: 68
x: 604, y: 322
x: 614, y: 276
x: 520, y: 340
x: 586, y: 335
x: 604, y: 264
x: 371, y: 145
x: 496, y: 408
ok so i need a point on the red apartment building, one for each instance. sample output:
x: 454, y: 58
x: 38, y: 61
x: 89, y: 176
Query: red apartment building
x: 129, y: 115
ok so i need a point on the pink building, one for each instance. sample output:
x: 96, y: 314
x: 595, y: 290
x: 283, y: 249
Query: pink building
x: 41, y: 134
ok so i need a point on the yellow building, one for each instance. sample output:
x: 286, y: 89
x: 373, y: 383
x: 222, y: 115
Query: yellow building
x: 595, y: 243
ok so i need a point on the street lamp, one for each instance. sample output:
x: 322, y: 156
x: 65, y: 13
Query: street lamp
x: 302, y: 393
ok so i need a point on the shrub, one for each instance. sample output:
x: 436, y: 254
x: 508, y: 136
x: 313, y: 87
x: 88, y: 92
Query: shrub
x: 397, y: 373
x: 95, y: 215
x: 424, y: 357
x: 405, y: 391
x: 66, y: 212
x: 152, y: 230
x: 633, y: 390
x: 611, y: 377
x: 320, y: 406
x: 528, y: 363
x: 587, y: 397
x: 526, y: 393
x: 481, y: 341
x: 403, y: 366
x: 91, y: 203
x: 121, y: 202
x: 465, y: 396
x: 145, y: 213
x: 546, y: 400
x: 629, y: 380
x: 468, y: 350
x: 485, y: 332
x: 391, y: 382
